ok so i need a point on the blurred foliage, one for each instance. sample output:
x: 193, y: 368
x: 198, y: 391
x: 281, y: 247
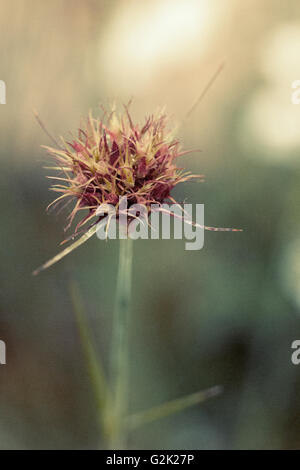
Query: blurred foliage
x: 225, y: 315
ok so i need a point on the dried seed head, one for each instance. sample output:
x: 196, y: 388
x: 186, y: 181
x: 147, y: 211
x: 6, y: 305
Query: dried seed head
x: 114, y: 158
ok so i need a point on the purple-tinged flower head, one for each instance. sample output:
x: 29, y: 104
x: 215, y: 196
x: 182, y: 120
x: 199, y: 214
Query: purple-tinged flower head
x: 114, y: 158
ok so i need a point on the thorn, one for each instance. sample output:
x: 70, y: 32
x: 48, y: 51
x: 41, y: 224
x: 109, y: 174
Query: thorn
x: 40, y: 122
x: 205, y: 90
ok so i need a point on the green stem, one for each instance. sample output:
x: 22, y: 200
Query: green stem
x: 119, y: 352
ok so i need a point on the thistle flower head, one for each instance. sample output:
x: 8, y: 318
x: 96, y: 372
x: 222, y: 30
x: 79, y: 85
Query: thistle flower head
x: 110, y: 159
x: 113, y: 158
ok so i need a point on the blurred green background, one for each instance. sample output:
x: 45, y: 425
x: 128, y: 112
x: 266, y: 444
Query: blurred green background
x: 225, y: 315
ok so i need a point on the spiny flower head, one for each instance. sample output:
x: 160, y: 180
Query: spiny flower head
x: 113, y: 158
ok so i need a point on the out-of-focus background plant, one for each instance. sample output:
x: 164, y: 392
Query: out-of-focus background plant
x: 224, y: 315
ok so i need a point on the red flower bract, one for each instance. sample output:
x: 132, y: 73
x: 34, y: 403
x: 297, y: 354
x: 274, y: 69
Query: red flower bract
x: 113, y: 158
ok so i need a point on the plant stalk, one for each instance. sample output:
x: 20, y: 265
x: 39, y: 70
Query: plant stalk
x: 119, y: 352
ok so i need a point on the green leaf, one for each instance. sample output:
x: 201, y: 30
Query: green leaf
x: 95, y: 368
x: 67, y: 250
x: 171, y: 407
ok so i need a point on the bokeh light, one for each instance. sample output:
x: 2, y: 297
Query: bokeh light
x: 271, y: 120
x: 142, y: 40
